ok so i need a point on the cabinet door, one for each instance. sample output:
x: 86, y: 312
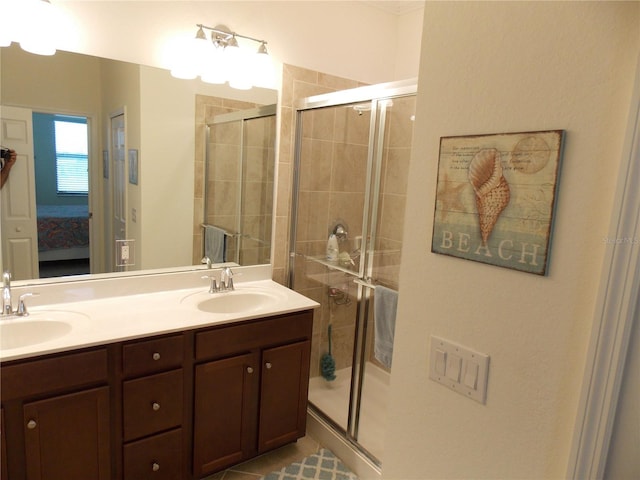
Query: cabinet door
x: 225, y: 413
x: 283, y: 395
x: 68, y: 436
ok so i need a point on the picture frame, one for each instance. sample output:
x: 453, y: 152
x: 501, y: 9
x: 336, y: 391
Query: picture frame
x: 133, y: 166
x: 496, y: 196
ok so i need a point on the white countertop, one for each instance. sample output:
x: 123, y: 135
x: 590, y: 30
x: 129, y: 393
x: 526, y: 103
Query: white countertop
x: 97, y: 318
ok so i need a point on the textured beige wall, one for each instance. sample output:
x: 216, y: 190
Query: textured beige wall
x: 497, y: 67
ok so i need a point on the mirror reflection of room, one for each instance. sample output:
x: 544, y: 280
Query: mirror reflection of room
x: 126, y: 107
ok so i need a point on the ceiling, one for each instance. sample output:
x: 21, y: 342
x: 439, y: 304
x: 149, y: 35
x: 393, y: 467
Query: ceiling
x: 397, y: 7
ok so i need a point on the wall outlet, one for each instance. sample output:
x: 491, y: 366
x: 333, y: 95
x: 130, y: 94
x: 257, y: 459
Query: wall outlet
x: 125, y: 253
x: 459, y: 368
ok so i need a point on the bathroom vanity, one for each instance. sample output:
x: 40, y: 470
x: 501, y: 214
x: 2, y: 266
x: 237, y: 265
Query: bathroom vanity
x: 203, y: 390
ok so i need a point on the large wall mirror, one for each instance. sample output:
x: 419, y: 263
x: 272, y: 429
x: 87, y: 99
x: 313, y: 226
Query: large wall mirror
x: 153, y: 150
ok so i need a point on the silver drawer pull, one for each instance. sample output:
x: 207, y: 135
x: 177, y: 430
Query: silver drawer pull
x: 155, y: 406
x: 155, y: 466
x: 268, y: 365
x: 156, y: 356
x: 249, y: 369
x: 31, y: 424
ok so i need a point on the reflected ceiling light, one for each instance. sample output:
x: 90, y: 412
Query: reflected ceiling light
x: 31, y: 23
x: 224, y: 59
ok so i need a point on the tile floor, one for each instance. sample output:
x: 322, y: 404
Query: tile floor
x: 269, y: 462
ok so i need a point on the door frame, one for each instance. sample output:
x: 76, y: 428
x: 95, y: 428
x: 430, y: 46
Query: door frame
x: 614, y: 314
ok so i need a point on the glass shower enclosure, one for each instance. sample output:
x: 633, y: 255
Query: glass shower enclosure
x: 351, y: 166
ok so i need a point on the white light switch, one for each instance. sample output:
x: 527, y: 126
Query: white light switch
x: 459, y: 368
x: 454, y: 362
x: 471, y: 375
x: 441, y: 359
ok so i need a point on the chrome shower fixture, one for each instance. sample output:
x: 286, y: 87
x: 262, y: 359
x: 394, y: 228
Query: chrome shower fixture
x: 340, y: 231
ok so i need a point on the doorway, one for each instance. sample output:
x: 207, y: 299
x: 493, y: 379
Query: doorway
x: 61, y: 166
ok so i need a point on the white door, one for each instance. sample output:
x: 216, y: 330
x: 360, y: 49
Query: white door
x: 119, y: 183
x: 19, y: 226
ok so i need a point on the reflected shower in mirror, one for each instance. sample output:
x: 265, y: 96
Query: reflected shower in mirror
x: 239, y: 186
x: 147, y: 142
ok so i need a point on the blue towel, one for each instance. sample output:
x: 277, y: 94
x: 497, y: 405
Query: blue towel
x: 385, y: 304
x: 215, y: 244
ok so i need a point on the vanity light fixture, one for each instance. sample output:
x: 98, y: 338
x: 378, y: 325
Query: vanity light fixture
x: 224, y: 59
x: 31, y: 23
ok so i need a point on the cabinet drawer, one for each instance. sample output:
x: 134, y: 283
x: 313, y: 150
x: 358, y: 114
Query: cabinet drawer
x: 52, y: 374
x: 235, y: 339
x: 151, y: 356
x: 158, y: 457
x: 152, y: 404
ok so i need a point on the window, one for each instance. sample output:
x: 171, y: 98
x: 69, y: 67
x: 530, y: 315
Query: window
x: 72, y: 164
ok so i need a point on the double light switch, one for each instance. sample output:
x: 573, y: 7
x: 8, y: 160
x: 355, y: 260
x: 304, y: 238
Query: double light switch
x: 459, y: 368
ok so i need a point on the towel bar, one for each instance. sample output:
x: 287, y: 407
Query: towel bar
x: 371, y: 284
x: 205, y: 225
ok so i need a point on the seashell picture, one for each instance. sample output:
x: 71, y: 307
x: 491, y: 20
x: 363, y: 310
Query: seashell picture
x: 496, y: 196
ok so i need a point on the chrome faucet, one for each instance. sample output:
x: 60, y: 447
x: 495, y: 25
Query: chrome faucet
x: 207, y: 261
x: 7, y: 307
x: 227, y: 284
x: 226, y: 281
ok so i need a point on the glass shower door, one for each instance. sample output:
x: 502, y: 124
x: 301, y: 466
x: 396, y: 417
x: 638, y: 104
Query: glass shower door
x: 380, y: 282
x: 332, y: 182
x: 350, y: 180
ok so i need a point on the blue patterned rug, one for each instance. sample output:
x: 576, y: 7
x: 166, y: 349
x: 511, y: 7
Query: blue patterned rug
x: 323, y: 465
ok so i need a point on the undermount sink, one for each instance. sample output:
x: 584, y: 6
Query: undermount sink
x: 40, y: 327
x: 238, y: 301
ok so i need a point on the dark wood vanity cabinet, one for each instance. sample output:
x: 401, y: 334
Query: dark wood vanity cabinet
x: 56, y: 417
x: 252, y: 396
x: 170, y: 407
x: 153, y: 408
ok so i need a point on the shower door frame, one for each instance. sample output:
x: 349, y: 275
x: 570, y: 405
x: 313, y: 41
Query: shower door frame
x: 376, y: 95
x: 236, y: 116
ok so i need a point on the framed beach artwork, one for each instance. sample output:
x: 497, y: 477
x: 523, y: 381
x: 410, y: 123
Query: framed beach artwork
x: 495, y: 198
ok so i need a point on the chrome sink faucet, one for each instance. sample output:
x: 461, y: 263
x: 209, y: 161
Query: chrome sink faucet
x: 7, y: 307
x: 226, y: 285
x: 226, y: 281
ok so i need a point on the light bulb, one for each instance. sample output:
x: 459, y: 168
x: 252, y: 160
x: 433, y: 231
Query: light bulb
x: 189, y: 55
x: 238, y: 65
x: 38, y: 35
x: 263, y: 71
x: 214, y: 70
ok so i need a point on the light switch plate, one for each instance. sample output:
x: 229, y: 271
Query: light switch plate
x: 470, y: 375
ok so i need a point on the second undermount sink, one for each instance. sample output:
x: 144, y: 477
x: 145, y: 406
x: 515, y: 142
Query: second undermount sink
x: 40, y: 327
x: 238, y: 301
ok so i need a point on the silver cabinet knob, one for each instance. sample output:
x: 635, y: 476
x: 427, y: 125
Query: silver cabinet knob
x: 249, y: 369
x: 268, y: 365
x: 155, y: 406
x: 155, y: 466
x: 156, y: 356
x: 31, y: 424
